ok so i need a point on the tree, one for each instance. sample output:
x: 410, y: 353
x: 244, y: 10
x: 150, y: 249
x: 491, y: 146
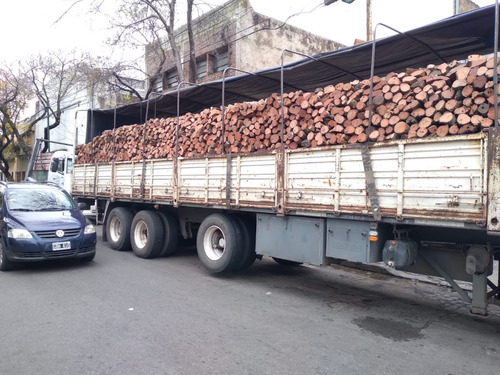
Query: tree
x: 141, y: 23
x: 15, y: 92
x: 51, y: 80
x: 54, y: 78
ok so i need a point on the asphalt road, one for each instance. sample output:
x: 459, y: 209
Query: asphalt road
x: 125, y: 315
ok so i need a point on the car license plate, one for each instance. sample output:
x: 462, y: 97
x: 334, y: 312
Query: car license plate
x: 66, y: 245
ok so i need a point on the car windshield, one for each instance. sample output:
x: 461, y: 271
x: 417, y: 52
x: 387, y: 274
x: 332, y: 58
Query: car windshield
x: 28, y: 199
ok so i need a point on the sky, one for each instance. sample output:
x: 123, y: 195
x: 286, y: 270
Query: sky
x: 32, y: 26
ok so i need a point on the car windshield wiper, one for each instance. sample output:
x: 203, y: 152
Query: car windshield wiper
x: 23, y: 209
x: 53, y: 209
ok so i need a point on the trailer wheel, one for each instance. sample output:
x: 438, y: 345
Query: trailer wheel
x: 219, y: 243
x: 146, y: 234
x: 248, y: 238
x: 171, y: 233
x: 118, y: 228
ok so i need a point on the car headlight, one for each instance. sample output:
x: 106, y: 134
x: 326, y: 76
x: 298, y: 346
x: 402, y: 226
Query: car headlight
x: 18, y: 233
x: 89, y: 229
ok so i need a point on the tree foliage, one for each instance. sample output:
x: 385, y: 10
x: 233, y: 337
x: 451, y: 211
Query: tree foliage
x: 15, y: 92
x: 55, y: 77
x: 49, y: 81
x: 142, y: 23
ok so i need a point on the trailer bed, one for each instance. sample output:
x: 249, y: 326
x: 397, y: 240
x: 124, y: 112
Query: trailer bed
x: 450, y: 180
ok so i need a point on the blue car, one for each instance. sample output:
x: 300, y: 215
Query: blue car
x: 40, y: 222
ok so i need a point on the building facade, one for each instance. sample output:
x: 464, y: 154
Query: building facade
x: 234, y: 35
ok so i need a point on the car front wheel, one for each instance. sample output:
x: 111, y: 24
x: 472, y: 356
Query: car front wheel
x: 5, y: 263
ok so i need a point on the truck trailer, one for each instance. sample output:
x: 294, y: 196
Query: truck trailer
x: 425, y: 205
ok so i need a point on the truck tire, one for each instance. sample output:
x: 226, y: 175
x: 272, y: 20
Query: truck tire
x: 171, y: 233
x: 146, y: 234
x: 219, y: 243
x: 5, y: 263
x: 248, y: 246
x: 118, y: 228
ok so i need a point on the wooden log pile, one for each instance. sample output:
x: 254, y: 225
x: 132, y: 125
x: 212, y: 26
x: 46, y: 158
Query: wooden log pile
x: 440, y: 100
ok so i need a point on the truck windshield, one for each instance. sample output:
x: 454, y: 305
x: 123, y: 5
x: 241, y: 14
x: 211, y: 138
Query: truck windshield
x: 69, y: 165
x: 38, y: 200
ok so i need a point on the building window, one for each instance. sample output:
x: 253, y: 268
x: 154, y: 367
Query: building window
x: 157, y: 84
x: 201, y: 68
x: 171, y: 79
x: 220, y: 60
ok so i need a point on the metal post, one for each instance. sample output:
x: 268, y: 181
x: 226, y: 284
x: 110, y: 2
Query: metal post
x: 223, y: 135
x: 479, y: 303
x: 114, y: 128
x: 48, y: 130
x: 175, y: 181
x: 223, y: 130
x: 372, y: 68
x: 282, y: 81
x: 143, y: 175
x: 368, y: 20
x: 282, y: 89
x: 495, y: 63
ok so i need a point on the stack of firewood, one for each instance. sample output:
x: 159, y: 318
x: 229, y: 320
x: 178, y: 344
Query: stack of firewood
x: 447, y: 99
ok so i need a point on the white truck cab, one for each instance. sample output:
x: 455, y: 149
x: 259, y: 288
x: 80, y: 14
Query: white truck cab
x: 61, y: 164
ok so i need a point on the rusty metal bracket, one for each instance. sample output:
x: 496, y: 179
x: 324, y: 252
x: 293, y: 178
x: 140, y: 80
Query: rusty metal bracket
x: 280, y: 182
x: 370, y: 182
x: 228, y: 180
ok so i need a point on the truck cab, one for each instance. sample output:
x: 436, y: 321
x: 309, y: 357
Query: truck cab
x: 61, y: 164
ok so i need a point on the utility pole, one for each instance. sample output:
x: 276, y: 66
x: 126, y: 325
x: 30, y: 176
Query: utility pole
x: 368, y: 20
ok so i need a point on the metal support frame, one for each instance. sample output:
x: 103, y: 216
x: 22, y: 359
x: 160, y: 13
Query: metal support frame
x: 494, y: 289
x: 223, y: 107
x: 175, y: 168
x: 445, y: 275
x: 143, y: 174
x: 372, y: 68
x: 282, y: 79
x: 365, y: 151
x: 480, y: 282
x: 113, y: 192
x: 495, y: 62
x: 223, y: 134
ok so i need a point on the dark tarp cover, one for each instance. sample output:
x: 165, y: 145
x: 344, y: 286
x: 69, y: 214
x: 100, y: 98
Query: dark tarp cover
x: 452, y: 38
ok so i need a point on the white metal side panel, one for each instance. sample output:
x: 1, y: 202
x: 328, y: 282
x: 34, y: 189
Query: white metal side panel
x: 412, y: 179
x: 103, y: 180
x: 256, y: 180
x: 386, y: 166
x: 335, y: 179
x: 83, y: 174
x: 445, y: 178
x: 311, y: 177
x: 352, y: 185
x: 158, y: 182
x: 202, y: 180
x: 127, y: 181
